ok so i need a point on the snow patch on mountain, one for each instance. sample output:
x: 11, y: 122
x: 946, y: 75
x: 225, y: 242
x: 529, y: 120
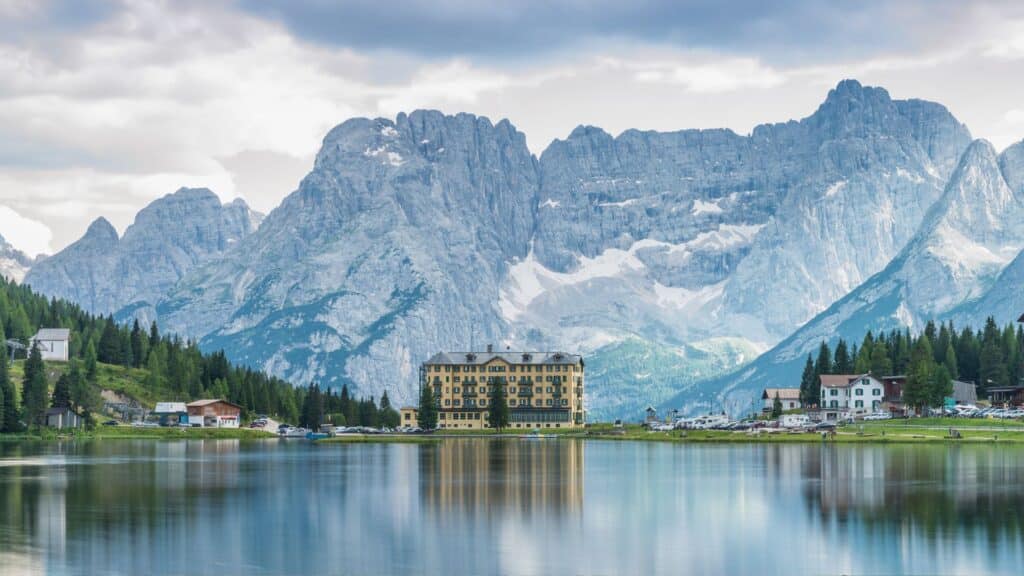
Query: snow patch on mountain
x: 702, y: 207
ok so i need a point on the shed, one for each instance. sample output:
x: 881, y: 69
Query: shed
x: 171, y: 413
x: 53, y: 343
x: 214, y: 413
x: 63, y: 418
x: 965, y: 392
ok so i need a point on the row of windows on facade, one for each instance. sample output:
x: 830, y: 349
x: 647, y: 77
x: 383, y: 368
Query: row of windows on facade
x: 511, y: 402
x: 511, y: 390
x: 856, y: 404
x: 500, y: 368
x: 501, y: 379
x: 560, y: 416
x: 856, y: 392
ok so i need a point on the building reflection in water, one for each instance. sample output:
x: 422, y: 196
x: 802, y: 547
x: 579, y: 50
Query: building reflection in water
x: 503, y: 477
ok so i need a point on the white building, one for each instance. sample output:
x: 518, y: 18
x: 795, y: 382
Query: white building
x: 850, y: 395
x: 53, y: 343
x: 789, y: 397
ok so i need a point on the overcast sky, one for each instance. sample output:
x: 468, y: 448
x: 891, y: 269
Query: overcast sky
x: 105, y: 106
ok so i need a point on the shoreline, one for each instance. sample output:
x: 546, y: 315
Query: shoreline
x: 926, y: 431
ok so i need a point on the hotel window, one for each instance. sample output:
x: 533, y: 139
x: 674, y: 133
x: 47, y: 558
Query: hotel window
x: 858, y: 404
x: 859, y: 392
x: 549, y: 401
x: 512, y: 390
x: 447, y: 402
x: 833, y: 392
x: 565, y: 402
x: 512, y: 402
x: 455, y: 390
x: 538, y: 390
x: 834, y: 404
x: 483, y: 402
x: 549, y: 389
x: 876, y: 392
x: 538, y: 402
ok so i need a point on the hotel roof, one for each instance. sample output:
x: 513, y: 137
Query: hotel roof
x: 480, y: 358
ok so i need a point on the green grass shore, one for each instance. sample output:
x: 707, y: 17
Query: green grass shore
x: 129, y: 432
x: 913, y: 431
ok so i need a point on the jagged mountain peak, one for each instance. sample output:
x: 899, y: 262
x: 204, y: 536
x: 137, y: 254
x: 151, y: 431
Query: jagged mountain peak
x: 171, y: 235
x: 1011, y: 162
x: 101, y: 230
x: 14, y: 263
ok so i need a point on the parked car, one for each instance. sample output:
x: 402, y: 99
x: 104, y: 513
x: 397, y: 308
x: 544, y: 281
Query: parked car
x: 111, y: 423
x: 878, y: 416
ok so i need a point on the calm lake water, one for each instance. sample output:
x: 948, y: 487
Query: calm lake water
x: 508, y: 507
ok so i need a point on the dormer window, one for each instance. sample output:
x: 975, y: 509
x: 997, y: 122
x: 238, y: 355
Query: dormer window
x: 470, y: 357
x: 526, y: 357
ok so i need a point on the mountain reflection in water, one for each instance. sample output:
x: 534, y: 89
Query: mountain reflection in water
x: 472, y: 506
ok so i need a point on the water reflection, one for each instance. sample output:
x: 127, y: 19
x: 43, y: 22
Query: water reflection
x: 511, y: 507
x: 502, y: 477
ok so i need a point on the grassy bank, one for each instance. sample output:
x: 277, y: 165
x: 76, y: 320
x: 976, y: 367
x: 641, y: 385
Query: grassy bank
x: 128, y: 432
x: 924, y: 430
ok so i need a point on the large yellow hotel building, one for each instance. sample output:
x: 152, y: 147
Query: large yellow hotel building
x: 544, y: 389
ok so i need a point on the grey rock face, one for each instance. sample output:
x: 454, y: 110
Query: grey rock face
x: 393, y: 247
x: 126, y: 276
x: 437, y: 232
x: 14, y: 263
x: 963, y: 263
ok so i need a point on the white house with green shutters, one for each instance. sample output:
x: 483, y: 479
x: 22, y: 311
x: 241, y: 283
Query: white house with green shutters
x: 850, y: 395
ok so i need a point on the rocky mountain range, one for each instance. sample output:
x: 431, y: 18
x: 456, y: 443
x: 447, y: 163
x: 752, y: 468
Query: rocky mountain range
x: 668, y: 258
x: 14, y: 263
x: 126, y: 276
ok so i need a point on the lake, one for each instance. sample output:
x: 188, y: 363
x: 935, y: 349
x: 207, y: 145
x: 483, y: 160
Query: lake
x: 477, y: 506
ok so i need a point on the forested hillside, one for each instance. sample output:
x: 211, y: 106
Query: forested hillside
x: 989, y: 357
x: 143, y: 365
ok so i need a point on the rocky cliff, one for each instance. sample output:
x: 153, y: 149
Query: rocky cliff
x: 127, y: 276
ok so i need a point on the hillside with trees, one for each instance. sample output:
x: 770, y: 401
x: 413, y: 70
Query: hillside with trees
x: 990, y: 357
x: 140, y: 364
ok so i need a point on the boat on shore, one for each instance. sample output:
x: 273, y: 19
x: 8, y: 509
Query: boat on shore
x: 536, y: 435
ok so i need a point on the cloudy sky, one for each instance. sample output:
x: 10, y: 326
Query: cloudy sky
x: 105, y: 106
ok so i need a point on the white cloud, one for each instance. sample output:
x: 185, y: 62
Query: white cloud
x: 30, y: 236
x: 164, y: 95
x: 713, y: 75
x: 1014, y: 116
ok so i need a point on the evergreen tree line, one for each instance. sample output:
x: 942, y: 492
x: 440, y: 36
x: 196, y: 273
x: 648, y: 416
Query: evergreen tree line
x: 322, y: 406
x: 175, y: 368
x: 930, y: 361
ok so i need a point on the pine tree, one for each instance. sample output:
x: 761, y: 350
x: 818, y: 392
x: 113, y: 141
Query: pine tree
x: 824, y: 363
x: 881, y: 365
x: 991, y: 364
x: 34, y: 388
x: 427, y: 413
x: 918, y: 390
x: 91, y: 369
x: 62, y: 392
x: 497, y: 405
x: 139, y: 345
x: 941, y: 386
x: 389, y: 417
x: 862, y: 362
x: 842, y: 363
x: 109, y: 350
x: 949, y: 361
x: 810, y: 391
x: 9, y: 410
x: 776, y: 406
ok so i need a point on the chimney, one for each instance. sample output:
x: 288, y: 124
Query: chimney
x: 490, y: 348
